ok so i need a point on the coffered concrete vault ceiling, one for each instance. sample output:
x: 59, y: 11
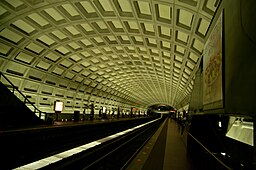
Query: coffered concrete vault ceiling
x: 130, y: 52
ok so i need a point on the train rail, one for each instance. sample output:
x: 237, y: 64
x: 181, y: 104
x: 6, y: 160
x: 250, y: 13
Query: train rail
x: 112, y: 152
x: 22, y: 147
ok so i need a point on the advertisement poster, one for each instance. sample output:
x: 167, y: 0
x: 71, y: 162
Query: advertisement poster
x: 212, y: 66
x: 58, y: 106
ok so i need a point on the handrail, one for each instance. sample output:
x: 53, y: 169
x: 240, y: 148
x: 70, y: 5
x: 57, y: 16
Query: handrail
x: 209, y: 151
x: 36, y: 110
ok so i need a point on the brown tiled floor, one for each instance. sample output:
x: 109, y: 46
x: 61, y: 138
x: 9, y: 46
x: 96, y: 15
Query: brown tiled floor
x: 176, y: 157
x: 166, y: 150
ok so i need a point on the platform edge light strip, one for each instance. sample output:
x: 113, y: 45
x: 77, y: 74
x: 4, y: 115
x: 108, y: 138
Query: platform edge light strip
x: 57, y: 157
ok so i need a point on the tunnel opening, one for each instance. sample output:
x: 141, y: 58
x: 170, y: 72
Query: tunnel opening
x: 161, y: 109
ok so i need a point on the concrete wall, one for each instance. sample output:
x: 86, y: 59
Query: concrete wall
x: 239, y: 55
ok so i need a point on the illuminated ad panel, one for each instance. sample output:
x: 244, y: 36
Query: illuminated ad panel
x: 212, y: 66
x: 58, y: 106
x: 104, y: 109
x: 241, y: 130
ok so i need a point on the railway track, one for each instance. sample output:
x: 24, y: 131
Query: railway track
x: 22, y: 147
x: 112, y: 154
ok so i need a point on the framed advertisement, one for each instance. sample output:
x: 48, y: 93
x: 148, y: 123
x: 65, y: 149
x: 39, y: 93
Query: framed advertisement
x: 58, y: 106
x: 212, y: 67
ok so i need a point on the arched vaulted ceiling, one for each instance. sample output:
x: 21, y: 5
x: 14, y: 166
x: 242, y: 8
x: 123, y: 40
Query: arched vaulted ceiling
x: 131, y: 52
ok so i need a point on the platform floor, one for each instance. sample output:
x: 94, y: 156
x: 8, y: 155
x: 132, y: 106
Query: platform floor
x: 60, y: 123
x: 176, y: 156
x: 166, y: 150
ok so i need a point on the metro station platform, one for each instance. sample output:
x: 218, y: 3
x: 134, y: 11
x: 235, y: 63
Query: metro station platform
x: 170, y: 147
x: 63, y: 123
x: 166, y: 150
